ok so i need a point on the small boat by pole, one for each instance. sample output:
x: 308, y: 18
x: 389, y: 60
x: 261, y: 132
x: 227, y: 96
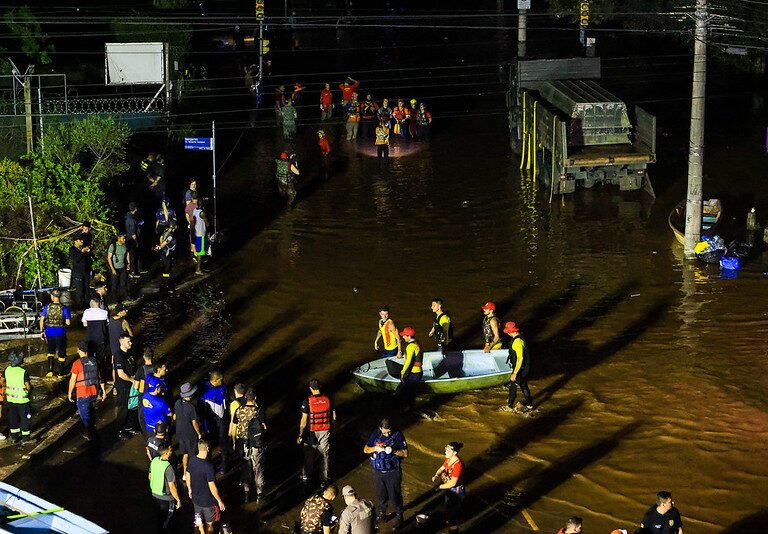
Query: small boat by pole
x: 711, y: 215
x: 451, y: 372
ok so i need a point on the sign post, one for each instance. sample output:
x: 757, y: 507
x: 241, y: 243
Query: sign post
x: 207, y: 143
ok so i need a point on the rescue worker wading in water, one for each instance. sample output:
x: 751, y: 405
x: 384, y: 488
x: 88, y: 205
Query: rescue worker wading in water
x: 442, y: 327
x: 491, y: 328
x: 382, y: 142
x: 400, y: 114
x: 520, y: 360
x: 287, y: 170
x: 317, y: 418
x: 388, y: 332
x: 411, y: 374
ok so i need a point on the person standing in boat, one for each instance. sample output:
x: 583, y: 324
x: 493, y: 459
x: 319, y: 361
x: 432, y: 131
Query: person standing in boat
x: 519, y: 360
x: 388, y: 333
x: 491, y: 328
x: 411, y: 374
x: 442, y: 328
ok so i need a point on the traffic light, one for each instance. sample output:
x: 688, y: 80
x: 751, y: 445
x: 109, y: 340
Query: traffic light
x: 259, y: 9
x: 265, y: 46
x: 584, y: 14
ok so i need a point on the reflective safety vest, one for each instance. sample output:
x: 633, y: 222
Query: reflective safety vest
x: 422, y: 119
x: 319, y: 413
x: 382, y: 135
x: 353, y: 113
x: 310, y: 514
x: 54, y: 315
x: 369, y: 110
x: 413, y: 358
x: 400, y: 114
x: 157, y: 471
x: 15, y: 389
x: 390, y: 339
x: 145, y: 163
x: 440, y: 333
x: 90, y: 374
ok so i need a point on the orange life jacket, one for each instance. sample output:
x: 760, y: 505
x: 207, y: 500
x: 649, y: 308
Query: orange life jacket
x: 319, y: 413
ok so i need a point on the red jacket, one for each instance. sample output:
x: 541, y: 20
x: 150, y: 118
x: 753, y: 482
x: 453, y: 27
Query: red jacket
x: 325, y: 148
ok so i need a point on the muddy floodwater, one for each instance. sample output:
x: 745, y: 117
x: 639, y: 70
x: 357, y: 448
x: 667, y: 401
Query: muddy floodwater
x: 648, y: 373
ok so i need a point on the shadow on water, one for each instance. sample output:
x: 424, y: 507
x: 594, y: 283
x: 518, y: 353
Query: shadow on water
x: 582, y: 358
x: 513, y: 440
x: 539, y: 483
x: 752, y: 523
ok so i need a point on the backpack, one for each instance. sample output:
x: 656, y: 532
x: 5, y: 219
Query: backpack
x: 255, y: 432
x: 244, y: 414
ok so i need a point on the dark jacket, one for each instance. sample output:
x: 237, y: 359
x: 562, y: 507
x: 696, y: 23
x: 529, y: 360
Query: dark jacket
x: 81, y: 262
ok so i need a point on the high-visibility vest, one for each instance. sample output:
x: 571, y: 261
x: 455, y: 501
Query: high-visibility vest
x: 15, y: 390
x: 390, y: 339
x: 157, y: 471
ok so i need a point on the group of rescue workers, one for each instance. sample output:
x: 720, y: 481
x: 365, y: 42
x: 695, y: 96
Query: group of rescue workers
x: 442, y: 331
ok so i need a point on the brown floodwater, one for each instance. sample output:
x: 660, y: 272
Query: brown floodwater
x: 648, y: 372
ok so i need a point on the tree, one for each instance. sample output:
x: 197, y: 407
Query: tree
x: 96, y: 143
x: 33, y: 42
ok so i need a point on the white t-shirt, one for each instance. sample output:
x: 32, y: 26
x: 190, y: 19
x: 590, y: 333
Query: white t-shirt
x: 95, y: 314
x: 200, y: 228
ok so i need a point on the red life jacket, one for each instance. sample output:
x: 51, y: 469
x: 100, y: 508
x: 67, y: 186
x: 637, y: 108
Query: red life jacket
x: 319, y: 413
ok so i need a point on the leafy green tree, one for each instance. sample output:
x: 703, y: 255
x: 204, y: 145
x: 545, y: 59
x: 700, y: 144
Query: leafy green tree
x: 101, y: 139
x: 65, y: 186
x: 24, y: 24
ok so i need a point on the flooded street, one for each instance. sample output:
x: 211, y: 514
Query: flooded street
x: 648, y: 373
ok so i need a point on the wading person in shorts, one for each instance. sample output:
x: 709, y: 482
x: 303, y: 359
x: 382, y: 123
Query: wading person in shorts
x: 201, y: 236
x: 187, y: 424
x: 202, y: 489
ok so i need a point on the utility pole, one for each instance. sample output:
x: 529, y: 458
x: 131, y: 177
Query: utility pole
x: 40, y: 111
x: 696, y: 143
x: 260, y: 18
x: 28, y: 110
x: 522, y: 26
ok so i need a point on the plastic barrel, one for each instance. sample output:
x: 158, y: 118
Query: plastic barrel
x: 65, y: 277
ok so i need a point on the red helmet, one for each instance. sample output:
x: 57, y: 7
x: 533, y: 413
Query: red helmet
x: 284, y: 155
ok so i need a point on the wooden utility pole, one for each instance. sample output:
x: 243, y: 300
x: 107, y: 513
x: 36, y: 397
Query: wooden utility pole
x: 28, y: 110
x: 696, y: 147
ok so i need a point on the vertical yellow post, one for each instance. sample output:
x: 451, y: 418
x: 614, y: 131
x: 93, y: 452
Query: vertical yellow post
x: 535, y: 142
x: 522, y: 159
x: 554, y: 144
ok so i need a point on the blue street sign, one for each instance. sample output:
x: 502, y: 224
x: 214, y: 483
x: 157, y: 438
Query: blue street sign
x: 198, y: 143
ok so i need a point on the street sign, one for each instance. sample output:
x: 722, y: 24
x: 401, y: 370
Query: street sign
x: 198, y: 143
x: 523, y: 4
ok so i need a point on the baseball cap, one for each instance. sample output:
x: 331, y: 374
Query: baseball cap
x: 408, y: 331
x: 511, y: 327
x: 348, y: 491
x: 489, y: 306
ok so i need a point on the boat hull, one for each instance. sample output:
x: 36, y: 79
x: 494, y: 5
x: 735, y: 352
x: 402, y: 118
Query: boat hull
x: 450, y: 373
